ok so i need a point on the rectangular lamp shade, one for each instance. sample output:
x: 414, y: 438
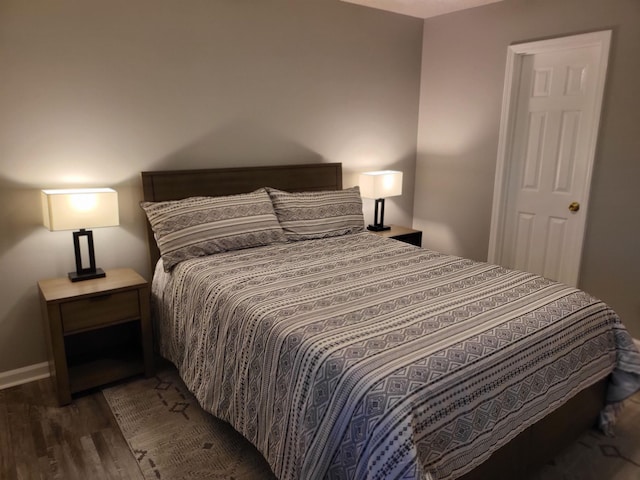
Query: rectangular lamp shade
x: 381, y: 184
x: 71, y: 209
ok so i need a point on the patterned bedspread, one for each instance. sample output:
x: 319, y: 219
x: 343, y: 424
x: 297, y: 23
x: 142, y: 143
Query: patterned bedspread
x: 359, y: 357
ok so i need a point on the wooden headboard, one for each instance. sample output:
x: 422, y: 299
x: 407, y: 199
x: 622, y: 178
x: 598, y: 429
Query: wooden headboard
x: 177, y: 184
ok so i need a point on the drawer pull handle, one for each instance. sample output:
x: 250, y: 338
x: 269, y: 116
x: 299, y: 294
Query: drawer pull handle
x: 100, y: 298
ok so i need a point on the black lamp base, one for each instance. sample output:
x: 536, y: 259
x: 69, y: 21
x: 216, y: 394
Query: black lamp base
x: 81, y: 272
x: 378, y: 228
x: 78, y: 277
x: 378, y: 218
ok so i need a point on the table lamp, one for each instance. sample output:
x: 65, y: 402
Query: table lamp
x: 380, y: 185
x: 81, y: 208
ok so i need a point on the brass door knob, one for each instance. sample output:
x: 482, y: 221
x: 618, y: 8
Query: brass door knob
x: 574, y: 207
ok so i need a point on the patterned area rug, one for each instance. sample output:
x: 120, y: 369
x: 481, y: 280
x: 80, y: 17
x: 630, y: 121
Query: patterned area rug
x: 174, y: 439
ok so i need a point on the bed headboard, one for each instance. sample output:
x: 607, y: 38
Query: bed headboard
x: 177, y: 184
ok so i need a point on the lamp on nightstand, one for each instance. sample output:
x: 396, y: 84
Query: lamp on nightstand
x: 81, y: 208
x: 380, y: 185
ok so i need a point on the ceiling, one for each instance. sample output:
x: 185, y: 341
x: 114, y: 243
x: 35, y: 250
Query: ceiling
x: 422, y: 8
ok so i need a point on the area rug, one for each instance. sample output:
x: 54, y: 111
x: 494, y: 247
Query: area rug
x: 174, y: 439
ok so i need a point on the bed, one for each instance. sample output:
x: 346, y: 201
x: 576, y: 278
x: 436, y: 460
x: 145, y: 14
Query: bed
x: 356, y: 356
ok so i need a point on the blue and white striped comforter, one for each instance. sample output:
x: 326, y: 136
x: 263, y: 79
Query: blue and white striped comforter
x: 359, y: 357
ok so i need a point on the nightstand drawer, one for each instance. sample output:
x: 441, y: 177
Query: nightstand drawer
x: 100, y: 310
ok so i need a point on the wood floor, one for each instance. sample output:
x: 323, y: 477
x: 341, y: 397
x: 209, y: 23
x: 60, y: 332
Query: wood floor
x: 39, y: 440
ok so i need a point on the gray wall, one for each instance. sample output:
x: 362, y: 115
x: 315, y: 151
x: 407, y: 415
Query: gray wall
x: 94, y: 91
x: 463, y: 68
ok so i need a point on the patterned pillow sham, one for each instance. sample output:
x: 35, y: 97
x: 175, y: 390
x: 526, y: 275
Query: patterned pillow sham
x: 309, y: 215
x: 200, y: 226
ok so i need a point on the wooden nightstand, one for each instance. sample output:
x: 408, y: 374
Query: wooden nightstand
x: 97, y: 331
x: 407, y: 235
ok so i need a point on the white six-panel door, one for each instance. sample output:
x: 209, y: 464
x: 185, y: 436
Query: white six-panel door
x: 553, y: 96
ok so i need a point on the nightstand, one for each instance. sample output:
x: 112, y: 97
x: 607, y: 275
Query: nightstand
x: 407, y: 235
x: 97, y: 331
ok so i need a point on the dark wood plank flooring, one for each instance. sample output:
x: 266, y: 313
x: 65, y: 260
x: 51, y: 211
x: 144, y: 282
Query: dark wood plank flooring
x: 39, y: 440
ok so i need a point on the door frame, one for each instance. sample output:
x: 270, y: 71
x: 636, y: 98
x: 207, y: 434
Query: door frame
x: 515, y: 55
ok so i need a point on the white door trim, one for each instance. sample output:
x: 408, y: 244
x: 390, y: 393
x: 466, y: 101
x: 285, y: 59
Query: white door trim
x: 515, y: 54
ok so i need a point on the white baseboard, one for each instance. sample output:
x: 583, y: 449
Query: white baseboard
x: 24, y: 375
